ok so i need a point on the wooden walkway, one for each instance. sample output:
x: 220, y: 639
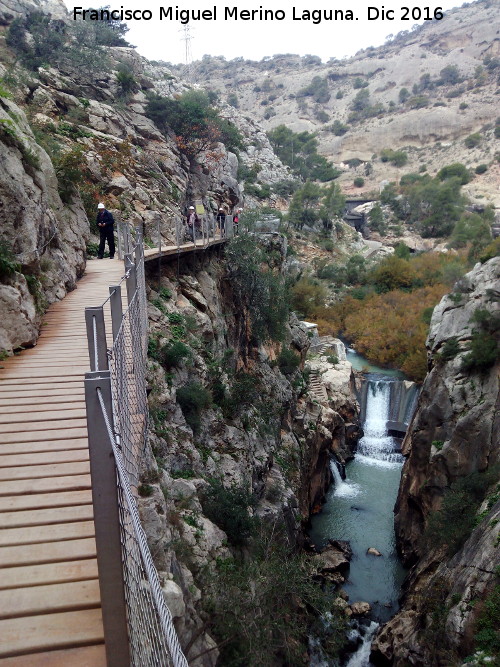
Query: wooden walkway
x: 49, y: 592
x: 155, y: 253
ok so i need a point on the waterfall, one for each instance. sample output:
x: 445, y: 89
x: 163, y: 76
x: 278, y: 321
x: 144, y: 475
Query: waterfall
x: 362, y: 656
x: 402, y: 399
x: 377, y: 447
x: 342, y: 489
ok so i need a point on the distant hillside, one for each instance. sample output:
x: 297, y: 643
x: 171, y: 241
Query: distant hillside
x: 425, y: 92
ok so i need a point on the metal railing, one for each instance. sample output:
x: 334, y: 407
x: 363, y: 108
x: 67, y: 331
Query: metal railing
x: 185, y: 237
x: 138, y: 626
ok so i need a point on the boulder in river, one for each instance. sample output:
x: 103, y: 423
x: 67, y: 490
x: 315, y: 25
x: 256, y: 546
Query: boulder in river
x: 373, y: 552
x: 360, y: 608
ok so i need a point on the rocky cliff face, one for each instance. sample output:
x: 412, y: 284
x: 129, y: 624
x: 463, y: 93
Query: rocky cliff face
x: 430, y: 125
x: 454, y: 438
x: 46, y: 238
x: 56, y: 122
x: 269, y: 435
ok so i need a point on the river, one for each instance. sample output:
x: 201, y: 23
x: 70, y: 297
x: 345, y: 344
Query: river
x: 360, y: 509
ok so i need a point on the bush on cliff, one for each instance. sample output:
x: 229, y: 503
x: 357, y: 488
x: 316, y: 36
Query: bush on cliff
x: 483, y: 349
x: 264, y: 607
x: 227, y: 507
x: 193, y: 398
x: 259, y: 288
x: 195, y: 122
x: 451, y: 525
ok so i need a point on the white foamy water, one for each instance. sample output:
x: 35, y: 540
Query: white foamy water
x: 343, y: 489
x: 362, y: 656
x: 376, y: 447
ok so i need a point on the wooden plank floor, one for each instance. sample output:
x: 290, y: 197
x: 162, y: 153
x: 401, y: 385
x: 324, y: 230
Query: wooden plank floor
x: 154, y: 253
x: 49, y: 592
x: 50, y: 612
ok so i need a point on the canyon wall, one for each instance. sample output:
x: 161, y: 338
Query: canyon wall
x: 450, y: 481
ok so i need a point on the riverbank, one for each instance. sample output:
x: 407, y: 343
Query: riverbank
x: 359, y: 509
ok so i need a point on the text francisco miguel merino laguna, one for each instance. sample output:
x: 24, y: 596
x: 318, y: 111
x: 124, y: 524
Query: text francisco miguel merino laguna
x: 235, y: 13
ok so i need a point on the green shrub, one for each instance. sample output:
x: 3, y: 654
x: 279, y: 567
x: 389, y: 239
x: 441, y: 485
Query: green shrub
x: 481, y: 168
x: 418, y: 102
x: 68, y: 167
x: 175, y: 318
x: 265, y: 606
x: 8, y: 263
x: 261, y: 293
x: 404, y: 94
x: 455, y: 170
x: 377, y: 221
x: 453, y: 523
x: 359, y: 83
x: 126, y: 81
x: 317, y: 89
x: 173, y: 354
x: 483, y: 353
x: 92, y: 249
x: 339, y: 129
x: 299, y: 151
x: 473, y: 140
x: 427, y: 314
x: 165, y: 293
x: 228, y: 508
x: 288, y: 361
x: 195, y: 122
x: 450, y: 349
x: 332, y: 359
x: 487, y: 636
x: 358, y: 182
x: 491, y: 250
x: 193, y: 398
x: 397, y: 158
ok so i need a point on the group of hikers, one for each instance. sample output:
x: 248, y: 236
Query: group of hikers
x: 193, y: 222
x: 105, y: 224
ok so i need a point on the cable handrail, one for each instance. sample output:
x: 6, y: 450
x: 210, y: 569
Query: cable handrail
x: 164, y: 614
x: 138, y: 626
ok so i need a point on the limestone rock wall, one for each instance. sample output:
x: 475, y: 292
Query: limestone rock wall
x: 276, y: 445
x: 46, y: 238
x: 455, y: 432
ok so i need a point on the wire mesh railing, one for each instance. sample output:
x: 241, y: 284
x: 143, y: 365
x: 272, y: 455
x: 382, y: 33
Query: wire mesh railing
x: 138, y: 626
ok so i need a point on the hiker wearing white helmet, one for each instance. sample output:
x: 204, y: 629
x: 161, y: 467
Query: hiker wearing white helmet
x: 193, y: 222
x: 105, y: 224
x: 221, y: 221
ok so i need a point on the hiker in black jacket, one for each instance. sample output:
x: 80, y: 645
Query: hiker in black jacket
x: 105, y: 222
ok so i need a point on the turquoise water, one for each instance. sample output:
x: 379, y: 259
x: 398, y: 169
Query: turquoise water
x: 360, y: 509
x: 362, y: 513
x: 359, y: 363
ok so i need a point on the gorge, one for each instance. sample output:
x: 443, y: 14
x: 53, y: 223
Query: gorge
x: 249, y: 412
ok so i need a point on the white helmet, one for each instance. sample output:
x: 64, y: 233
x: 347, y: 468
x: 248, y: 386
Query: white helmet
x: 191, y: 208
x: 100, y: 205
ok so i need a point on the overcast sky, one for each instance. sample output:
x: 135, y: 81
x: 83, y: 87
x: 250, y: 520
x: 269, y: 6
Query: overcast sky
x: 163, y: 39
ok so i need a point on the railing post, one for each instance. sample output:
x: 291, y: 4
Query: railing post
x: 107, y: 520
x: 132, y: 278
x: 96, y: 338
x: 178, y: 227
x: 119, y: 237
x: 115, y: 302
